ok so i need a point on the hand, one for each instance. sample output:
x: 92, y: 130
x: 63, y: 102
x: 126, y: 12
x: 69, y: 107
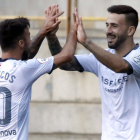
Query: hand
x: 51, y: 20
x: 81, y: 34
x: 53, y: 32
x: 74, y: 24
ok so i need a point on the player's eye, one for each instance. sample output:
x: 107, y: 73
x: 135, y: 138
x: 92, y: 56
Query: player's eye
x: 107, y: 25
x: 115, y: 25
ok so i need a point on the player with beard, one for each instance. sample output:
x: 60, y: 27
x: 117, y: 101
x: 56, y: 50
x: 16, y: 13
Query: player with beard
x: 118, y: 70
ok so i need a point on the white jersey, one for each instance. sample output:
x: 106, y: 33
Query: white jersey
x: 120, y: 94
x: 16, y: 79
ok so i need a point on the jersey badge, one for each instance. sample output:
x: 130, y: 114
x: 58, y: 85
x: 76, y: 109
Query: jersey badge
x: 136, y: 59
x: 42, y: 60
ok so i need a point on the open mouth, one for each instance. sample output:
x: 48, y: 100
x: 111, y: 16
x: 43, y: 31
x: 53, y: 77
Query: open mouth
x: 111, y: 38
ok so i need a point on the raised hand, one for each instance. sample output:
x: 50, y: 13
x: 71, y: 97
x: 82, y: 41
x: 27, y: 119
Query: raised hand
x: 81, y: 34
x: 74, y: 24
x: 51, y: 20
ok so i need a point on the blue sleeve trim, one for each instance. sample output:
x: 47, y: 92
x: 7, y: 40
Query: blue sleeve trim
x: 81, y: 68
x: 130, y: 71
x: 53, y: 67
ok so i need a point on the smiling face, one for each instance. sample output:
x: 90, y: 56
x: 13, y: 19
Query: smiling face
x: 116, y: 30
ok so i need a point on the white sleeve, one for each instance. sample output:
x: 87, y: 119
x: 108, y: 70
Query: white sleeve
x: 88, y: 62
x: 32, y: 69
x: 134, y: 61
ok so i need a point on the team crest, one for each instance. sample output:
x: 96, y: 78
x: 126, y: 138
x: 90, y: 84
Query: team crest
x: 136, y: 59
x: 44, y: 60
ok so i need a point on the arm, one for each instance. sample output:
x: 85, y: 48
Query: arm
x: 56, y: 48
x: 112, y: 61
x: 53, y: 44
x: 67, y: 53
x: 47, y: 27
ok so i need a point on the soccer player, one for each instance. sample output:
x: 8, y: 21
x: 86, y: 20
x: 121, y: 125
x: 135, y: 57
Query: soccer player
x: 118, y: 70
x: 17, y: 76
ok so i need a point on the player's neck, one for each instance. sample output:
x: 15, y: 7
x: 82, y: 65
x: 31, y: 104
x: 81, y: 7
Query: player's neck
x: 15, y: 54
x: 125, y: 48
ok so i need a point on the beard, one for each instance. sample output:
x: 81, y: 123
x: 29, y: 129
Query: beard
x: 121, y: 39
x: 24, y: 55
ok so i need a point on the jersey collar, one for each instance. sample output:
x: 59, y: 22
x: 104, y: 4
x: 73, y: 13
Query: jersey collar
x: 3, y: 60
x: 136, y: 47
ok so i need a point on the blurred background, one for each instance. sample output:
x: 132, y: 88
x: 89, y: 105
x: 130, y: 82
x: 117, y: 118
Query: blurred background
x: 66, y: 105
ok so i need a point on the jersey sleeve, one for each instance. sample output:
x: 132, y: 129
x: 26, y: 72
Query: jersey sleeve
x: 32, y: 69
x: 88, y: 62
x: 134, y: 60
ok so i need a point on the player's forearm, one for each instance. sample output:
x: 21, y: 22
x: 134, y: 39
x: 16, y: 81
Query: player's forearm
x: 54, y: 44
x: 56, y: 48
x: 35, y: 45
x: 70, y: 45
x: 112, y: 61
x: 67, y: 53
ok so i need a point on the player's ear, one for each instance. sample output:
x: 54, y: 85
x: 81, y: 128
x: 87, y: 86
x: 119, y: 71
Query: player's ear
x: 131, y: 30
x: 21, y: 43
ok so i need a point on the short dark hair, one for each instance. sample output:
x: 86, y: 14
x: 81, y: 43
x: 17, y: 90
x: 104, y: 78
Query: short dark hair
x: 130, y: 13
x: 11, y: 31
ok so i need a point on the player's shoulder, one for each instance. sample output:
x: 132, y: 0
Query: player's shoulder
x: 134, y: 52
x: 136, y: 49
x: 9, y: 61
x: 27, y: 63
x: 35, y: 62
x: 16, y: 63
x: 134, y: 55
x: 84, y: 56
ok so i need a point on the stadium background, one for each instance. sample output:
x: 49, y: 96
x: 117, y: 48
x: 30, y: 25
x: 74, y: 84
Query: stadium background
x: 66, y: 105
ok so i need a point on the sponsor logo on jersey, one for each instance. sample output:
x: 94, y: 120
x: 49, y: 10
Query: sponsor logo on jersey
x: 115, y: 82
x: 43, y: 60
x: 114, y: 85
x: 136, y: 59
x: 7, y: 133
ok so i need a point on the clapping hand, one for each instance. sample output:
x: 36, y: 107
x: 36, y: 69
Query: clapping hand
x: 81, y: 35
x: 51, y: 22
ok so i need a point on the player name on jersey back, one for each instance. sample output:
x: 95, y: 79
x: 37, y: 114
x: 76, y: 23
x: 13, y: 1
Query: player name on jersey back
x: 5, y: 75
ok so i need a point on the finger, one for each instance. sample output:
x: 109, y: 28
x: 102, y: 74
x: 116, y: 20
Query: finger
x: 76, y: 14
x: 49, y: 10
x: 56, y: 24
x: 45, y: 12
x: 74, y: 17
x: 53, y: 7
x: 57, y: 10
x: 80, y: 21
x: 54, y: 10
x: 56, y: 19
x: 77, y: 17
x: 57, y: 15
x: 76, y: 9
